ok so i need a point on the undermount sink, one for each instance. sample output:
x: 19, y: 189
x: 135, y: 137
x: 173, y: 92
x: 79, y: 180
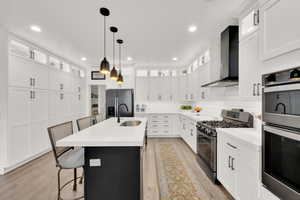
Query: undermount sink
x: 131, y: 123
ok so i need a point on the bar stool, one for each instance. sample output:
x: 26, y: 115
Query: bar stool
x: 84, y: 123
x: 66, y: 157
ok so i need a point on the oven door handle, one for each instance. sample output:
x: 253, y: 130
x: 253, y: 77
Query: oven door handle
x: 284, y: 133
x: 282, y: 88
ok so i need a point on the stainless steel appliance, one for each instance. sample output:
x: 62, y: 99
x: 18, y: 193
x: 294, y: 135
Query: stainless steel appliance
x: 207, y: 138
x: 229, y: 68
x: 281, y: 134
x: 119, y: 102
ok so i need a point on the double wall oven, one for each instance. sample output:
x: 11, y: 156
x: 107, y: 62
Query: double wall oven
x: 281, y: 134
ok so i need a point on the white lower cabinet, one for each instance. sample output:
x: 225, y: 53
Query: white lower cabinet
x: 238, y: 168
x: 161, y: 125
x: 188, y: 131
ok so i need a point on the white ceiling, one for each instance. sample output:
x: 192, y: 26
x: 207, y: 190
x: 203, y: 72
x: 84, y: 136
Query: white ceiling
x: 154, y: 31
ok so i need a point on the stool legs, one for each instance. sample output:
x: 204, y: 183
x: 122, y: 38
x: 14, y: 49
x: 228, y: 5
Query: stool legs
x: 58, y: 184
x: 75, y: 180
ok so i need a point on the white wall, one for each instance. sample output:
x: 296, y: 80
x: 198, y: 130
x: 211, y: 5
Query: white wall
x: 3, y: 93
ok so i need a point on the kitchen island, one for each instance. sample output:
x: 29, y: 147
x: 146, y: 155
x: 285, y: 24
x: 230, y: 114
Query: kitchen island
x: 113, y: 158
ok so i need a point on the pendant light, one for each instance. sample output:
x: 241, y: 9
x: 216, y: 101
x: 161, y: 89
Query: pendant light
x: 104, y: 66
x: 295, y: 75
x: 114, y: 72
x: 120, y: 77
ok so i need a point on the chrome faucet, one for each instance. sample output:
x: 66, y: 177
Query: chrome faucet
x: 281, y: 104
x: 119, y: 106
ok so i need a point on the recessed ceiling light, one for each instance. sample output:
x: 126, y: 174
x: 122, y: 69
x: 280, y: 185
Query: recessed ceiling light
x: 36, y: 28
x: 175, y: 59
x: 192, y: 28
x: 129, y: 58
x: 83, y: 59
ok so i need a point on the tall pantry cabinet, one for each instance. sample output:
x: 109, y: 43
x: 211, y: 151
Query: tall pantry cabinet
x: 42, y: 91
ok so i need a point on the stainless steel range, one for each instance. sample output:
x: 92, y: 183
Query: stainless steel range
x: 207, y: 138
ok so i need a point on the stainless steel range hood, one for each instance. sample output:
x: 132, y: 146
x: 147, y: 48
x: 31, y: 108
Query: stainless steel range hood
x: 229, y: 59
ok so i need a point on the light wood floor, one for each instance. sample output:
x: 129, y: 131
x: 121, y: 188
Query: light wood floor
x: 37, y: 180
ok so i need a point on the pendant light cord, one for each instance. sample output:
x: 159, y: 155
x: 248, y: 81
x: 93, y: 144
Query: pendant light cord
x: 120, y: 57
x: 104, y: 36
x: 113, y: 49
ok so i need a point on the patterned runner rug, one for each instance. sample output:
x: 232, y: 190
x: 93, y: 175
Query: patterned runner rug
x: 176, y: 181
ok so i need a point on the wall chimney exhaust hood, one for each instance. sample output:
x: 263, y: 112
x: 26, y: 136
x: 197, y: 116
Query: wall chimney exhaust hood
x: 229, y: 59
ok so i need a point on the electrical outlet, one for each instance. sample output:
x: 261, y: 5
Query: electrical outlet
x: 95, y: 162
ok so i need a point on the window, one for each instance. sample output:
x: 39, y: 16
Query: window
x: 65, y: 67
x: 141, y: 73
x: 19, y: 49
x: 195, y: 65
x: 154, y: 73
x: 174, y: 73
x: 164, y: 73
x: 82, y: 74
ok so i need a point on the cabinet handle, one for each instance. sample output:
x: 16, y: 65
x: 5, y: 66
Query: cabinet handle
x: 30, y: 94
x: 254, y: 88
x: 33, y: 82
x: 30, y: 81
x: 61, y: 86
x: 232, y: 146
x: 258, y: 89
x: 256, y: 18
x: 191, y: 132
x: 61, y: 96
x: 79, y: 97
x: 232, y: 168
x: 33, y: 94
x: 229, y: 161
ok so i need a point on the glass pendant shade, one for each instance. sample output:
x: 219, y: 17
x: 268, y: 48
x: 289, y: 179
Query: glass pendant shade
x: 114, y: 74
x: 104, y: 66
x: 295, y: 75
x: 120, y: 79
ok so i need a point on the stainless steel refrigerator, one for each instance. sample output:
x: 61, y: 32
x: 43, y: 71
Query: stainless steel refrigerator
x: 121, y: 100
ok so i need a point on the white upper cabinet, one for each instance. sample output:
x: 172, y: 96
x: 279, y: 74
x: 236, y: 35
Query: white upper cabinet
x: 249, y: 23
x: 19, y: 49
x: 250, y: 67
x: 25, y: 73
x: 40, y: 57
x: 54, y: 63
x: 280, y: 30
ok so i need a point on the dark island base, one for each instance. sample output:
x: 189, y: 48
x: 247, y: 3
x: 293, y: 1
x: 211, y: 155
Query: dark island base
x: 118, y: 177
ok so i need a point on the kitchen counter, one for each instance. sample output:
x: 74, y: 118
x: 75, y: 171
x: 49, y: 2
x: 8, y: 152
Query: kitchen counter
x: 248, y: 136
x: 191, y: 115
x: 113, y: 159
x: 108, y: 133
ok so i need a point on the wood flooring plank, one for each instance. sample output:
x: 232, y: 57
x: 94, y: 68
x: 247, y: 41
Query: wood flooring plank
x: 37, y: 180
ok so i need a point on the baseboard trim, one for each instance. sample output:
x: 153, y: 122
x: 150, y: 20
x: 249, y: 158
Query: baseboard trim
x: 5, y: 170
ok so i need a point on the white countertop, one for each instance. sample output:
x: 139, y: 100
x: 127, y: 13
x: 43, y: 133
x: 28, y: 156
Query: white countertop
x: 248, y: 136
x: 191, y: 115
x: 108, y: 133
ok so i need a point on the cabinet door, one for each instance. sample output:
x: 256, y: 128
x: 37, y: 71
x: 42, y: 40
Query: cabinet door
x: 59, y: 81
x: 18, y: 125
x: 248, y: 173
x: 226, y: 157
x: 40, y: 76
x: 155, y: 89
x: 174, y: 89
x: 142, y: 89
x: 279, y: 38
x: 20, y: 72
x: 39, y: 140
x: 250, y: 67
x: 165, y: 88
